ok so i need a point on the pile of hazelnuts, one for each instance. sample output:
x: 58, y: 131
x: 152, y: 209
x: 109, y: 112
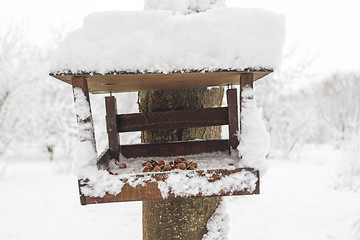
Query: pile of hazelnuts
x: 161, y: 166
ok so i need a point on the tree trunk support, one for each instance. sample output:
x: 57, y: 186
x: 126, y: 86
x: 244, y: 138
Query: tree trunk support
x: 183, y: 218
x: 111, y: 127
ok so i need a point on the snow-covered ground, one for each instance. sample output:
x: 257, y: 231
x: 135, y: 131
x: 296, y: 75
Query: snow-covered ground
x: 298, y: 201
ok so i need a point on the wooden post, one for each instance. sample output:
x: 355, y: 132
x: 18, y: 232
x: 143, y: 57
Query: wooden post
x: 81, y: 82
x: 233, y: 118
x: 246, y: 79
x: 111, y: 127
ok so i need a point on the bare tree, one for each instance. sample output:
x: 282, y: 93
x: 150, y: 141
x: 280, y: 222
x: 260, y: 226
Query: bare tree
x: 338, y: 104
x: 284, y: 101
x: 16, y: 75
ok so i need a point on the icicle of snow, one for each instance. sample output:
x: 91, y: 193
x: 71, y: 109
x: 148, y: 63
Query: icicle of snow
x: 218, y: 224
x: 183, y: 6
x: 254, y: 140
x: 85, y: 154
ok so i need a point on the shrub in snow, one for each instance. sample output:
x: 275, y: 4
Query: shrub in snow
x: 183, y: 6
x: 348, y: 172
x: 338, y: 105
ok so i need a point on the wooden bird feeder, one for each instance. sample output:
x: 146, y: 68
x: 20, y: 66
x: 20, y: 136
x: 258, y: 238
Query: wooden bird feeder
x: 176, y: 119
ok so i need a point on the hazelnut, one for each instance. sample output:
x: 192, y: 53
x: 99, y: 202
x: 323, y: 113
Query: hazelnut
x: 156, y: 169
x: 146, y: 169
x: 180, y: 160
x: 182, y: 166
x: 167, y: 167
x: 192, y: 166
x: 149, y: 165
x: 161, y: 164
x: 144, y: 163
x: 122, y: 165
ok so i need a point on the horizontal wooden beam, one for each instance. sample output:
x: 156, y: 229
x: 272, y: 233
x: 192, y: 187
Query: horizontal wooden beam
x: 174, y: 148
x: 150, y: 191
x: 134, y: 82
x: 172, y: 119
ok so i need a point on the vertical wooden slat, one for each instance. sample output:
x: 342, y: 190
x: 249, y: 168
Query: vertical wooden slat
x: 246, y: 79
x: 81, y: 82
x: 111, y: 126
x: 82, y: 196
x: 233, y: 118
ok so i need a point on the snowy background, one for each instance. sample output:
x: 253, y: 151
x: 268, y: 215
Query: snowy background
x: 310, y: 106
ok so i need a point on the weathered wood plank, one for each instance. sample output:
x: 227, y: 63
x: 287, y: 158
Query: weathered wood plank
x: 233, y: 118
x: 81, y: 82
x: 111, y: 127
x: 102, y: 161
x: 246, y: 79
x: 174, y: 148
x: 150, y: 190
x: 134, y: 82
x: 172, y: 119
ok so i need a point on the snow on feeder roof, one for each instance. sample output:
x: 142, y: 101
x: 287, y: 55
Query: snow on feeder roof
x: 218, y: 40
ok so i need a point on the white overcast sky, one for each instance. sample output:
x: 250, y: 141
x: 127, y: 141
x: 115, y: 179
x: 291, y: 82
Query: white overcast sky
x: 326, y: 28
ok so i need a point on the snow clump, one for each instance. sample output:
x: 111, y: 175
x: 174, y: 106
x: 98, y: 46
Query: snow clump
x: 184, y: 183
x: 218, y: 224
x: 85, y: 153
x: 254, y: 139
x: 160, y: 42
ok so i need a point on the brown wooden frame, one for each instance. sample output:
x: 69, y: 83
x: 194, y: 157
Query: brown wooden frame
x: 111, y: 127
x: 135, y: 82
x: 172, y: 120
x: 117, y: 123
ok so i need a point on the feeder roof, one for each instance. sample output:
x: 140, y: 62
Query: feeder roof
x: 125, y: 82
x: 154, y: 45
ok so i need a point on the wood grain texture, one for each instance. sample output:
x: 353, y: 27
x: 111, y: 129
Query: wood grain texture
x: 103, y: 159
x: 174, y: 148
x: 125, y: 82
x: 81, y: 82
x: 233, y: 118
x: 111, y: 127
x: 172, y: 119
x: 150, y: 191
x: 246, y: 80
